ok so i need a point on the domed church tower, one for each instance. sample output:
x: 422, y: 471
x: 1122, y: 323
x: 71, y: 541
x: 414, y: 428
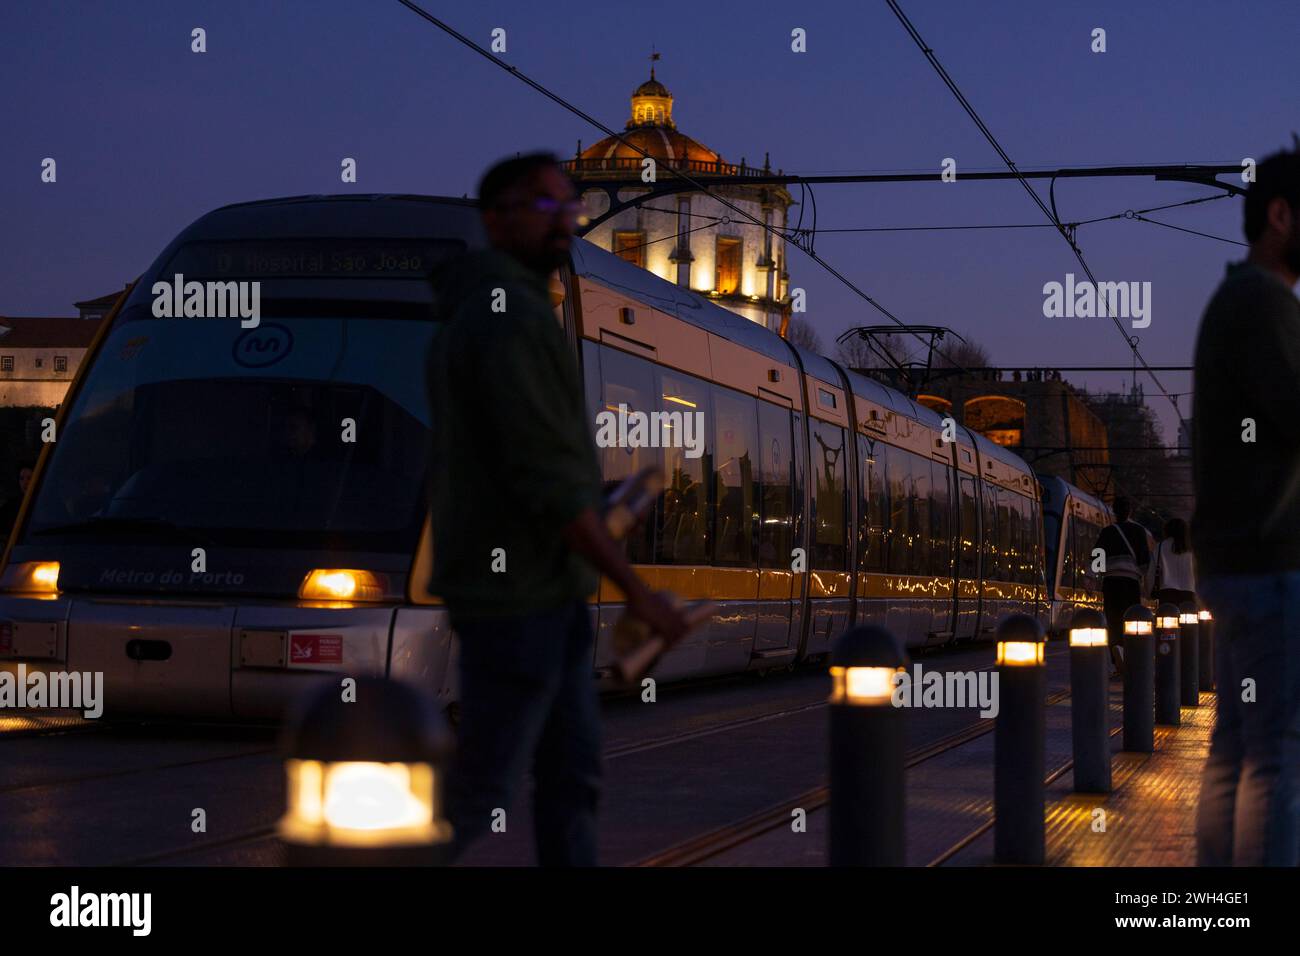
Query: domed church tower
x: 689, y: 237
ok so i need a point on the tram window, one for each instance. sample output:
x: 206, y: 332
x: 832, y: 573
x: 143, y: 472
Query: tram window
x: 1087, y: 534
x: 992, y: 567
x: 735, y: 438
x: 900, y: 518
x: 776, y: 467
x: 1026, y: 555
x: 159, y: 447
x: 684, y: 532
x: 1071, y: 553
x: 940, y: 520
x: 872, y: 508
x: 1006, y: 535
x: 1040, y: 570
x: 1015, y: 535
x: 829, y: 497
x: 624, y: 380
x: 968, y: 532
x: 921, y: 525
x: 1052, y: 537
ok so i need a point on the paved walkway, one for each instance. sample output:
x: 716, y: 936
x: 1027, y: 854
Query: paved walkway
x: 1149, y: 816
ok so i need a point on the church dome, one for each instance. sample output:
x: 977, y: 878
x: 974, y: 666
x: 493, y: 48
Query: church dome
x: 650, y: 131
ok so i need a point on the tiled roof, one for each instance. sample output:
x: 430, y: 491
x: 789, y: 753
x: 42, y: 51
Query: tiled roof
x: 36, y: 332
x: 103, y: 302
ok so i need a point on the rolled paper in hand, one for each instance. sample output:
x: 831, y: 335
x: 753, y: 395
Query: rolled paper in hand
x: 638, y: 648
x: 631, y: 500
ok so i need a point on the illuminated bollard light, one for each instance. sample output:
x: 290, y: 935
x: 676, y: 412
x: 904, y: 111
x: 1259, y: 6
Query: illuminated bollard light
x: 1167, y: 667
x: 364, y: 779
x: 1019, y: 742
x: 1139, y: 680
x: 867, y: 750
x: 1089, y: 702
x: 1189, y: 656
x: 1205, y: 624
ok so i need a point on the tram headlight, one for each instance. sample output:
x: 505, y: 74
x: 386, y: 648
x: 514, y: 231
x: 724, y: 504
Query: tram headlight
x: 32, y: 577
x: 341, y: 584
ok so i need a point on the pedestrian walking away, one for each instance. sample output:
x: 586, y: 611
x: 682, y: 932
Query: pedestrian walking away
x: 1127, y: 560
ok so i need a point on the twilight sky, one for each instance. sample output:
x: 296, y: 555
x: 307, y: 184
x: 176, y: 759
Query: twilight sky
x: 148, y: 135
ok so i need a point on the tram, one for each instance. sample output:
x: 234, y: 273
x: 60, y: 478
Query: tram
x: 234, y: 511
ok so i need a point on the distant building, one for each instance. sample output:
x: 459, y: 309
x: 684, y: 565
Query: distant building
x: 689, y: 237
x: 1042, y: 418
x: 39, y: 358
x: 1143, y: 468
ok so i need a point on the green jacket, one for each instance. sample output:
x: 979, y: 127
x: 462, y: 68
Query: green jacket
x: 513, y: 459
x: 1247, y: 518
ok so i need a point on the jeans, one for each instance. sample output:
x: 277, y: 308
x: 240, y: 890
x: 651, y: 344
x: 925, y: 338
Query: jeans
x: 527, y: 693
x: 1118, y: 595
x: 1249, y: 812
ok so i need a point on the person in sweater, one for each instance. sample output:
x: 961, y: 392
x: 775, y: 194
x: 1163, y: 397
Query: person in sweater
x: 515, y: 493
x: 1246, y: 531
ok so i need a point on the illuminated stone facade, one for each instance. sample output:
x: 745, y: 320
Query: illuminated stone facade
x: 689, y: 238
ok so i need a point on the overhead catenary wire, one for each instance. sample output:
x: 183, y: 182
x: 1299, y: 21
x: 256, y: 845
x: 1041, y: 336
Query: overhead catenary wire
x: 1038, y: 201
x: 559, y: 100
x: 1134, y: 214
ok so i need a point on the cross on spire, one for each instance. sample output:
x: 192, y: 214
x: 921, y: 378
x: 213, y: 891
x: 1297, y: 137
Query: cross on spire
x: 653, y: 58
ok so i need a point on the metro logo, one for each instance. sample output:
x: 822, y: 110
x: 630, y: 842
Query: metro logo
x: 315, y: 648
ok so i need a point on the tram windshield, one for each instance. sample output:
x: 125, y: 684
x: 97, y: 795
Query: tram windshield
x: 303, y: 432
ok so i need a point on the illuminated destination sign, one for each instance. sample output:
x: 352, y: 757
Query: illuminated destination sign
x: 313, y: 258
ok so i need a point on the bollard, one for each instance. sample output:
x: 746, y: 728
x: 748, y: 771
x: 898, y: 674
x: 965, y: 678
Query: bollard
x: 1019, y: 743
x: 1139, y: 681
x: 1189, y: 654
x: 867, y: 750
x: 1167, y: 668
x: 364, y: 778
x: 1089, y: 702
x: 1205, y: 624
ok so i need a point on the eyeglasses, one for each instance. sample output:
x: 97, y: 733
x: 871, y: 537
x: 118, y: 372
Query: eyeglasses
x: 574, y: 208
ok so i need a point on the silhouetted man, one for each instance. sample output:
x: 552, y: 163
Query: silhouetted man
x: 1127, y: 558
x: 1246, y: 532
x: 515, y: 492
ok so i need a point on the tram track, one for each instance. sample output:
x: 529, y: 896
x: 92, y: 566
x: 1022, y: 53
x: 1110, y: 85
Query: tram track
x: 713, y: 843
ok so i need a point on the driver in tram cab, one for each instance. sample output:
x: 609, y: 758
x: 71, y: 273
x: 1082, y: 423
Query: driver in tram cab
x: 515, y: 495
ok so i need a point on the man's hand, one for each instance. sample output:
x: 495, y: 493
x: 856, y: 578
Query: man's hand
x: 657, y: 609
x: 586, y: 535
